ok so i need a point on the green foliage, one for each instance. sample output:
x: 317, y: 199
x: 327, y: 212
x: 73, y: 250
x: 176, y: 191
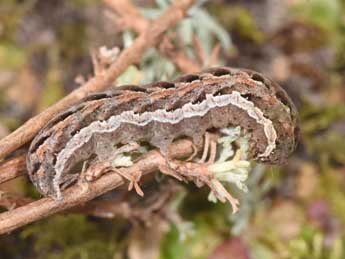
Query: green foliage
x: 72, y: 40
x: 69, y: 237
x: 11, y: 14
x: 312, y: 246
x: 83, y: 3
x: 238, y: 19
x: 333, y: 189
x: 11, y: 57
x: 323, y: 13
x: 259, y: 184
x: 340, y: 55
x: 232, y: 166
x: 207, y: 233
x: 172, y: 247
x: 317, y: 118
x: 309, y: 243
x: 329, y: 15
x: 199, y: 23
x: 54, y: 90
x: 130, y: 76
x: 207, y: 29
x: 154, y: 66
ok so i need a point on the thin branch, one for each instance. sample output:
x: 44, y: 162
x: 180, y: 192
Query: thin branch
x: 121, y: 207
x: 214, y: 57
x: 199, y: 50
x: 118, y: 206
x: 105, y: 209
x: 12, y: 168
x: 178, y: 57
x: 83, y: 191
x: 131, y: 18
x: 150, y: 37
x: 11, y: 201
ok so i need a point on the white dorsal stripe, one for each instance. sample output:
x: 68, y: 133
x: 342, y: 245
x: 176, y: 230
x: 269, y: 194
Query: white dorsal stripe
x: 188, y: 110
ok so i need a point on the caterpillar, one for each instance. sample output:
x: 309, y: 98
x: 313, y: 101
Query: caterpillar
x: 158, y: 114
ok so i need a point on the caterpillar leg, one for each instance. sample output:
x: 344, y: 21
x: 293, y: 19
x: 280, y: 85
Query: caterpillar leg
x: 68, y: 180
x: 96, y: 171
x: 133, y: 179
x: 170, y: 170
x: 193, y: 155
x: 110, y: 158
x: 199, y: 171
x: 206, y: 147
x: 210, y: 149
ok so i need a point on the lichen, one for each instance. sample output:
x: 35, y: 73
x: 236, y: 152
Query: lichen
x: 233, y: 171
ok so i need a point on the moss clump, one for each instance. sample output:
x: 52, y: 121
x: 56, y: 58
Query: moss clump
x: 72, y: 236
x: 238, y: 19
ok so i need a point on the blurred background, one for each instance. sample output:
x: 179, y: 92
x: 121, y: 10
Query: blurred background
x: 293, y: 211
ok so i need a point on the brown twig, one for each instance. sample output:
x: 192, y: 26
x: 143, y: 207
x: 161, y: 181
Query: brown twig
x: 150, y: 37
x: 12, y: 168
x: 214, y: 57
x: 131, y: 18
x: 178, y: 57
x: 11, y: 201
x: 105, y: 209
x: 199, y: 50
x: 83, y: 192
x: 118, y: 206
x: 141, y: 210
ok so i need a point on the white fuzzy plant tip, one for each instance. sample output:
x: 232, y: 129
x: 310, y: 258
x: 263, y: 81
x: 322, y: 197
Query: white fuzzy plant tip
x: 231, y: 166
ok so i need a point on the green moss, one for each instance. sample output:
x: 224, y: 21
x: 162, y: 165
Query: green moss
x: 11, y: 13
x: 238, y: 19
x: 71, y: 236
x: 171, y: 247
x: 11, y: 57
x: 83, y: 3
x: 310, y: 243
x: 315, y: 117
x: 340, y: 44
x: 10, y: 122
x: 331, y: 145
x: 196, y: 246
x: 72, y: 41
x: 333, y: 190
x: 328, y: 15
x: 320, y: 140
x: 53, y: 90
x: 210, y: 226
x: 323, y: 13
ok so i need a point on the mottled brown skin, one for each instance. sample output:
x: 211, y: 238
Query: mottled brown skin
x: 269, y: 97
